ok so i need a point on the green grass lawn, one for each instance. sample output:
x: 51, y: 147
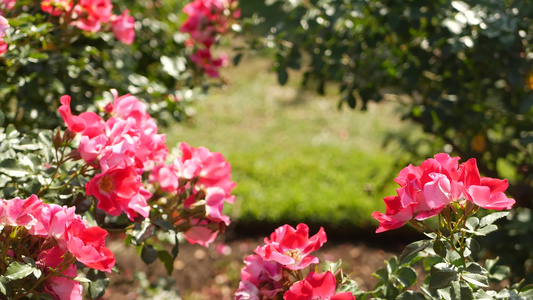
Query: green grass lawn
x: 294, y: 155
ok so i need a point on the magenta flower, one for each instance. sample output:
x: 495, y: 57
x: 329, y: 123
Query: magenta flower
x: 60, y: 223
x: 123, y: 27
x: 87, y: 123
x: 211, y: 168
x: 119, y: 189
x: 260, y: 278
x: 56, y: 7
x: 92, y: 13
x: 292, y: 247
x: 485, y: 192
x: 424, y: 192
x: 427, y: 189
x: 204, y: 59
x: 199, y: 233
x: 316, y: 286
x: 59, y: 287
x: 4, y: 25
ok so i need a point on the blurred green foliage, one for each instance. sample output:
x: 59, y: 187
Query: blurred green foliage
x: 48, y: 58
x: 464, y: 67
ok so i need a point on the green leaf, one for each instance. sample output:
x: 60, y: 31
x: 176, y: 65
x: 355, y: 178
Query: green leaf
x: 406, y: 276
x: 98, y: 284
x: 167, y: 260
x: 475, y: 268
x: 500, y: 273
x: 460, y: 290
x: 392, y: 265
x: 16, y: 270
x: 412, y: 250
x: 237, y: 59
x: 472, y: 223
x: 490, y: 219
x: 439, y: 248
x: 163, y: 224
x: 12, y: 168
x: 283, y: 76
x: 332, y: 266
x: 527, y: 292
x: 430, y: 261
x: 2, y: 286
x: 148, y: 254
x: 454, y: 257
x: 478, y: 280
x: 176, y: 249
x: 349, y: 286
x: 382, y: 274
x: 411, y: 295
x: 143, y: 231
x: 442, y: 274
x: 486, y: 230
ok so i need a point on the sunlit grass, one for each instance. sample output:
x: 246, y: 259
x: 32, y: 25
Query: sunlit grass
x: 295, y: 156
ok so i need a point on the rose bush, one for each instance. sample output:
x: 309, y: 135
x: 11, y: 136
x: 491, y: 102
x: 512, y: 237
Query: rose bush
x: 450, y: 270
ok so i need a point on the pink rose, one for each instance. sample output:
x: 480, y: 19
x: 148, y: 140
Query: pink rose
x: 427, y: 189
x: 87, y: 123
x: 292, y: 247
x: 210, y: 65
x: 92, y: 13
x: 424, y: 192
x: 56, y: 7
x: 166, y: 177
x: 119, y: 190
x: 123, y: 27
x: 200, y: 234
x: 316, y: 286
x: 265, y: 276
x: 485, y: 192
x: 214, y: 202
x: 60, y: 287
x: 211, y: 168
x: 4, y: 25
x: 62, y: 224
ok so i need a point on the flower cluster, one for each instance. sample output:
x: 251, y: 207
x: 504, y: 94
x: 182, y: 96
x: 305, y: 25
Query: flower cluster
x: 122, y: 148
x: 275, y: 269
x: 202, y: 183
x: 207, y: 20
x: 55, y: 238
x: 4, y: 25
x: 427, y: 189
x: 90, y: 15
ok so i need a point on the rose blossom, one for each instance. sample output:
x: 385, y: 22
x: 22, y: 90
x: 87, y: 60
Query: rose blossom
x: 60, y: 223
x: 204, y: 59
x: 427, y: 189
x: 485, y: 192
x: 123, y: 27
x: 424, y: 192
x: 4, y: 25
x: 211, y: 168
x: 316, y: 286
x: 56, y: 7
x: 93, y: 13
x: 260, y: 278
x: 119, y: 189
x: 291, y: 247
x: 60, y: 287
